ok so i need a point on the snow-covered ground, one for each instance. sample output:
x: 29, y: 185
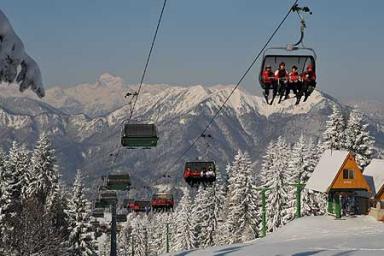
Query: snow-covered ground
x: 322, y: 235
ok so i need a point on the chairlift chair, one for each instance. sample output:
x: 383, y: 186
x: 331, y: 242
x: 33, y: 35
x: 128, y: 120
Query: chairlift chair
x: 121, y: 217
x: 120, y: 182
x: 143, y: 206
x: 94, y: 225
x: 98, y: 212
x: 101, y: 204
x: 128, y: 204
x: 109, y: 196
x: 275, y: 55
x: 162, y: 202
x: 139, y: 136
x: 199, y: 172
x: 292, y: 55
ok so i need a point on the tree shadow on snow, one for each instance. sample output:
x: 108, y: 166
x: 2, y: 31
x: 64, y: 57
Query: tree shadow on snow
x: 185, y: 253
x: 343, y: 253
x: 225, y: 251
x: 308, y: 253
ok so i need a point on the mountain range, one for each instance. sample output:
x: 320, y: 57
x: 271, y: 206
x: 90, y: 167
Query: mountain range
x: 84, y: 122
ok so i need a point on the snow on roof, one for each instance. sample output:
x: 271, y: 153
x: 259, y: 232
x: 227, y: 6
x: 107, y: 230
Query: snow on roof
x: 374, y: 172
x: 326, y: 170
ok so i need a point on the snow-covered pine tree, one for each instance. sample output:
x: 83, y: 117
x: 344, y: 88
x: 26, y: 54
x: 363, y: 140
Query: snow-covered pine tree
x: 334, y: 134
x: 313, y: 152
x: 303, y: 160
x: 358, y: 139
x: 3, y: 185
x: 33, y: 233
x: 220, y: 203
x: 197, y: 216
x: 268, y: 159
x: 275, y: 178
x: 125, y: 237
x: 44, y: 170
x: 205, y: 210
x: 184, y: 238
x: 242, y: 217
x: 15, y: 167
x: 58, y: 208
x: 2, y: 171
x: 296, y: 173
x: 223, y: 178
x: 104, y: 247
x: 80, y: 239
x: 17, y: 175
x: 222, y: 184
x: 139, y: 236
x: 312, y: 201
x: 158, y: 232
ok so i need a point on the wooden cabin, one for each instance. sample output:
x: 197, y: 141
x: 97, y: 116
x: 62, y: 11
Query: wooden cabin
x: 374, y: 174
x: 339, y: 175
x: 380, y: 195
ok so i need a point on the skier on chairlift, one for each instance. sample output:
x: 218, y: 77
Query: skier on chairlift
x: 210, y: 173
x: 269, y: 80
x: 281, y: 79
x: 308, y: 85
x: 293, y: 82
x: 203, y: 172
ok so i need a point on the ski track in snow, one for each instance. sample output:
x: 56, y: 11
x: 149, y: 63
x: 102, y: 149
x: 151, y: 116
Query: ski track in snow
x: 320, y: 236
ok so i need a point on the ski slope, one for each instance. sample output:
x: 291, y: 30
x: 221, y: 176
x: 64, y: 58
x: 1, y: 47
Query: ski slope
x: 321, y: 235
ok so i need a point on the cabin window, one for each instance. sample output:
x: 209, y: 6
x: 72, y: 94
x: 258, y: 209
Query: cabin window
x: 348, y: 174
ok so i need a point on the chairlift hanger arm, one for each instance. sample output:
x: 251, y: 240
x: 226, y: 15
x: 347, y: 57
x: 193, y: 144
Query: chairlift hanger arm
x: 300, y: 12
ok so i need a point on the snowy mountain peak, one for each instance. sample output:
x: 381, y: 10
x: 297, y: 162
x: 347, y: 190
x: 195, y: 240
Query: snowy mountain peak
x: 242, y: 102
x: 107, y: 79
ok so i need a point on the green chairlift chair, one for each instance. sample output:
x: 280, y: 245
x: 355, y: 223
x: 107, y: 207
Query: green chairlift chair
x: 139, y: 136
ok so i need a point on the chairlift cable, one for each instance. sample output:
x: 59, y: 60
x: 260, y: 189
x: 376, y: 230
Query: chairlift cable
x: 135, y: 94
x: 240, y: 80
x: 147, y: 61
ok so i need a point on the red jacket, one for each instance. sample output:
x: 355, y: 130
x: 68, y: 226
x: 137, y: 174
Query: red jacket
x: 293, y: 76
x: 281, y: 74
x: 267, y: 76
x: 309, y: 76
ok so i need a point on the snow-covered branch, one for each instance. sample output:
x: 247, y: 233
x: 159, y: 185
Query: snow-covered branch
x: 15, y: 64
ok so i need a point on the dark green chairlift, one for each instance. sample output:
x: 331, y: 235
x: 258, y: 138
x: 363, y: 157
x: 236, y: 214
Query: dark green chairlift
x: 108, y: 196
x: 99, y: 203
x: 98, y: 212
x: 121, y: 217
x: 121, y: 182
x: 139, y: 136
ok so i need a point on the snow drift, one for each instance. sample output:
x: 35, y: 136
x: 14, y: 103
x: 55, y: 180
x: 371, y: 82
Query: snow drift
x: 320, y: 235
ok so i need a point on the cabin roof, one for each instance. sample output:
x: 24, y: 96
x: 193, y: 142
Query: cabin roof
x: 326, y: 170
x: 374, y: 174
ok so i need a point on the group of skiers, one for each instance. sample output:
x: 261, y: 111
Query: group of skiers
x: 282, y: 82
x: 208, y: 174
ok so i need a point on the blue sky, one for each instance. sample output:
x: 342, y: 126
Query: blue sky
x: 200, y: 42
